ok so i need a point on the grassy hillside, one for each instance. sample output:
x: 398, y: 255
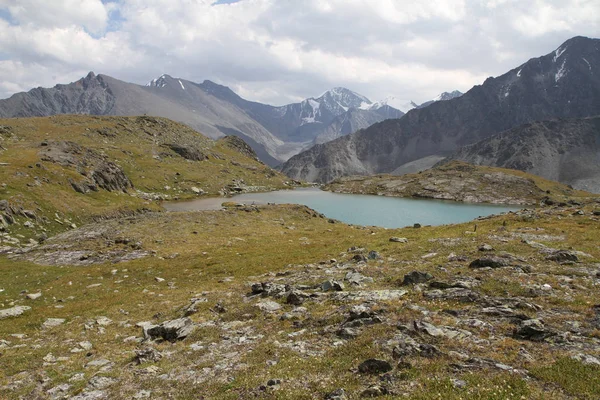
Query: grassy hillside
x: 461, y: 182
x: 457, y: 335
x: 121, y: 164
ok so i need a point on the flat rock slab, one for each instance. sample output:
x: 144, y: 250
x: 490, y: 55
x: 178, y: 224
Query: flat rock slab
x: 52, y: 322
x: 269, y: 305
x: 13, y: 312
x: 370, y: 295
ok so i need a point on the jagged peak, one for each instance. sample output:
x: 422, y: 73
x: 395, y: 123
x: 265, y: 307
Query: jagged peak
x: 161, y: 81
x: 448, y: 95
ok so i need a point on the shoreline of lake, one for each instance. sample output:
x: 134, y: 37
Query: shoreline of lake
x: 358, y: 209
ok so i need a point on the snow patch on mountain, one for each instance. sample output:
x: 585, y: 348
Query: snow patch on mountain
x: 559, y: 52
x: 179, y: 80
x: 587, y: 62
x: 561, y: 72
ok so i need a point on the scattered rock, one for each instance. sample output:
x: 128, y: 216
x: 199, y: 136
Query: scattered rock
x: 101, y: 382
x: 356, y: 278
x: 398, y: 239
x: 374, y: 366
x: 13, y: 312
x: 296, y: 297
x: 586, y: 359
x: 177, y: 329
x: 415, y: 277
x: 534, y: 330
x: 339, y: 394
x: 373, y: 255
x: 103, y: 321
x: 375, y: 391
x: 359, y: 258
x: 90, y: 395
x: 348, y: 333
x: 563, y: 256
x: 332, y: 285
x: 147, y: 354
x: 268, y: 305
x: 455, y: 294
x: 490, y: 262
x: 34, y: 296
x: 485, y: 247
x: 52, y: 322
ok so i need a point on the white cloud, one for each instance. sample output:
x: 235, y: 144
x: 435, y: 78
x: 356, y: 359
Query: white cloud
x: 90, y: 14
x: 277, y: 51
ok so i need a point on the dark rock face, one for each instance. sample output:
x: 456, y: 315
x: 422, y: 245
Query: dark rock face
x: 560, y: 84
x: 567, y: 151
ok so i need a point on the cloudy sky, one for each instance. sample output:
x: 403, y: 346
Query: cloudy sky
x: 279, y: 51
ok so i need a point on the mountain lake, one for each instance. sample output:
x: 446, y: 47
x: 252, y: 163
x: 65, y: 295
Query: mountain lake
x: 359, y: 209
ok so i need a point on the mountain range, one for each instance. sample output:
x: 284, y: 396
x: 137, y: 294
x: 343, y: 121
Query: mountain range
x: 275, y: 133
x: 562, y: 84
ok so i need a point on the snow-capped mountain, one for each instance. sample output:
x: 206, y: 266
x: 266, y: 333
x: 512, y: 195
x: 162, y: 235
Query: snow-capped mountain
x: 405, y: 106
x: 561, y: 84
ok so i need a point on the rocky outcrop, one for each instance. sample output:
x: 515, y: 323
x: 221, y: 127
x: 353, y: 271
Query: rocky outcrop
x: 99, y: 172
x: 455, y: 181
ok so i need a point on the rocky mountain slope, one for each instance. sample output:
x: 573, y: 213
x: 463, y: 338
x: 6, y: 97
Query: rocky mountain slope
x: 564, y: 83
x: 63, y: 170
x: 567, y: 151
x: 460, y: 181
x: 275, y: 133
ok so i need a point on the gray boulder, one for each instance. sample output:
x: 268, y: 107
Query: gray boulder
x: 416, y: 277
x: 177, y: 329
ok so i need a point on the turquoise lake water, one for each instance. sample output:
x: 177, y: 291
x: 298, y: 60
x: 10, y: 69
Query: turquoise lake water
x: 387, y: 212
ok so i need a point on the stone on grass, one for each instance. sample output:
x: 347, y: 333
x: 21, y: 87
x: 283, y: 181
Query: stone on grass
x: 296, y: 297
x: 398, y: 239
x: 485, y: 247
x: 490, y: 262
x: 339, y: 394
x: 147, y: 354
x: 563, y: 256
x: 534, y: 330
x: 374, y: 366
x: 268, y: 306
x: 173, y: 330
x: 13, y: 312
x: 52, y: 322
x: 34, y: 296
x: 332, y: 285
x: 416, y: 277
